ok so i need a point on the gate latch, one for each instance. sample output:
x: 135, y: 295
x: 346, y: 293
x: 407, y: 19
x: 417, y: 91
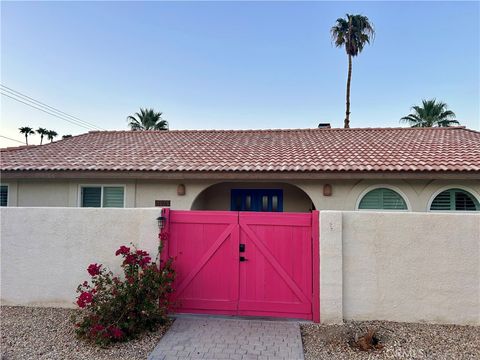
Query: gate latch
x: 242, y: 258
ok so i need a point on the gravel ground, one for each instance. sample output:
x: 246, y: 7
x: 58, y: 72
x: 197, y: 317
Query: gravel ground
x: 47, y: 333
x: 400, y: 340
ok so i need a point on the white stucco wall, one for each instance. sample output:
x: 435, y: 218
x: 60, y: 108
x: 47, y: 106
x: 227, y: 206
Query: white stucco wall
x: 143, y: 193
x: 347, y: 193
x: 395, y: 266
x: 413, y: 267
x: 45, y: 251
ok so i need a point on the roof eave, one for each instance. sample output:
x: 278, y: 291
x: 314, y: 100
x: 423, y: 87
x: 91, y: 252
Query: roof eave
x: 236, y: 175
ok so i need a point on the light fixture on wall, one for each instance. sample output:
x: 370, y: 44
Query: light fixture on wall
x: 161, y: 220
x: 327, y: 190
x: 181, y: 189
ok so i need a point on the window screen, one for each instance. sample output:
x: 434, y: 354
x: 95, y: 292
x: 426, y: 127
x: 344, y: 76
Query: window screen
x: 3, y: 195
x: 91, y: 196
x: 113, y: 196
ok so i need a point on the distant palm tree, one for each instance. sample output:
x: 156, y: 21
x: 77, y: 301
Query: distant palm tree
x: 147, y: 119
x: 66, y: 136
x: 51, y: 134
x: 26, y: 130
x: 42, y: 132
x: 353, y: 33
x: 430, y: 114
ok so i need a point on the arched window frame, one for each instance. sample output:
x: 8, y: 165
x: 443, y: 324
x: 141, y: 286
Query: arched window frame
x: 450, y: 187
x: 383, y: 186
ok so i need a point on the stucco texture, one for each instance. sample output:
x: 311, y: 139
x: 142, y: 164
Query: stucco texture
x: 215, y: 195
x: 413, y: 267
x: 398, y: 266
x: 45, y: 251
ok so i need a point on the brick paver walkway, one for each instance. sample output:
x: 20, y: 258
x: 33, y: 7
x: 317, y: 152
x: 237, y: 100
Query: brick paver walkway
x: 219, y: 338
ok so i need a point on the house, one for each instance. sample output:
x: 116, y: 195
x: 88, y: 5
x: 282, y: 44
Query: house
x: 321, y: 265
x: 394, y: 169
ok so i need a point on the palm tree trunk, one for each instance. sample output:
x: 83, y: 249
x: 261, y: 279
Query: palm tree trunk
x: 346, y: 124
x: 26, y: 139
x: 41, y: 139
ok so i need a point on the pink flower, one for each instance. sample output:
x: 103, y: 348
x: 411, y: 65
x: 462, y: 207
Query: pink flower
x: 130, y: 259
x: 116, y: 332
x: 144, y: 261
x: 94, y: 269
x: 94, y: 330
x: 142, y: 253
x: 84, y: 299
x: 122, y: 250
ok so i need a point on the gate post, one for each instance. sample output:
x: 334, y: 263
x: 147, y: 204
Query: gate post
x: 316, y: 265
x: 331, y: 261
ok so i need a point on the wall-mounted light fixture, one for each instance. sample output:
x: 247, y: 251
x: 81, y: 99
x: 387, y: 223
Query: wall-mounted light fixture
x: 327, y: 190
x: 161, y: 222
x: 181, y: 189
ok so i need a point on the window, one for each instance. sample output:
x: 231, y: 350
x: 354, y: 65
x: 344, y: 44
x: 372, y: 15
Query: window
x: 455, y: 200
x: 3, y: 195
x: 382, y: 199
x: 102, y: 196
x: 266, y: 200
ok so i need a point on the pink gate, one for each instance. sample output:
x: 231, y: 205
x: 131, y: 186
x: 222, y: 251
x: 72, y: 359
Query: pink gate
x: 245, y: 263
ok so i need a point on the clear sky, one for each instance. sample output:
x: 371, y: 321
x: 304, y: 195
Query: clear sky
x: 233, y: 65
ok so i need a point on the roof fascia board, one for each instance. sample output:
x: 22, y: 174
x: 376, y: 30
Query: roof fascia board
x: 150, y: 175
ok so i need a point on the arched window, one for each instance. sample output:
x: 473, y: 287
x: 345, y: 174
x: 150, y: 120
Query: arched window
x: 455, y: 200
x: 382, y: 199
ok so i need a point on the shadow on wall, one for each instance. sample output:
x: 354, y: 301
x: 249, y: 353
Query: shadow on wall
x: 218, y: 196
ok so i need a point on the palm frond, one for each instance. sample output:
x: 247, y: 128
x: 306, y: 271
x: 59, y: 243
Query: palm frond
x: 147, y: 119
x: 431, y: 113
x: 353, y: 32
x: 51, y: 134
x: 27, y: 130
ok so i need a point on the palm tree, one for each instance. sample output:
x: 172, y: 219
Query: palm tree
x: 42, y: 132
x: 66, y: 136
x: 431, y: 113
x: 147, y: 119
x: 353, y: 33
x: 26, y: 130
x: 51, y: 134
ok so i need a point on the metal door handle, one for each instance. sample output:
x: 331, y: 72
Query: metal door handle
x: 242, y: 258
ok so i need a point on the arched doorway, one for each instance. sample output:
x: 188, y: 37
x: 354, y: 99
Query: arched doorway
x: 253, y: 196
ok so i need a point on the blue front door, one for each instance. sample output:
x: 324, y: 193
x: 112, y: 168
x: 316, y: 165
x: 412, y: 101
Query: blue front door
x: 257, y: 200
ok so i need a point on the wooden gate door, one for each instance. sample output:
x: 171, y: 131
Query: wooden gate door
x: 276, y: 277
x: 204, y: 245
x: 245, y: 263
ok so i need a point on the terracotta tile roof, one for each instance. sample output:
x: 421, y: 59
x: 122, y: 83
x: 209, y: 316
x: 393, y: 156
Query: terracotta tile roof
x: 303, y: 150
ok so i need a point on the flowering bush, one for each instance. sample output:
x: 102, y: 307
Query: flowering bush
x: 118, y: 309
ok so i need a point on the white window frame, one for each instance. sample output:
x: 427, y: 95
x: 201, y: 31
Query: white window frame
x: 101, y: 186
x: 449, y: 187
x: 383, y: 186
x: 8, y: 194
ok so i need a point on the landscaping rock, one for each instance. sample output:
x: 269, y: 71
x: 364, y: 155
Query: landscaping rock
x: 48, y: 333
x: 399, y: 340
